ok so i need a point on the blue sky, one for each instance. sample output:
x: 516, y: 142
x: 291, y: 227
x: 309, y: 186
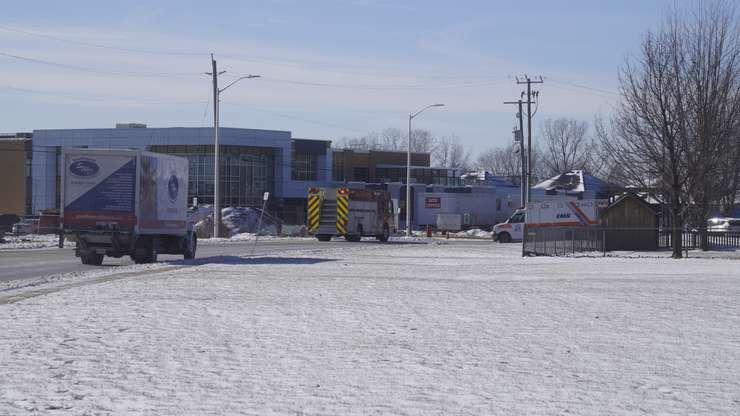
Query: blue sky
x: 330, y: 68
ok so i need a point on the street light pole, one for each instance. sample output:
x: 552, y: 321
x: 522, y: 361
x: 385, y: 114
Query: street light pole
x: 408, y: 169
x: 216, y: 147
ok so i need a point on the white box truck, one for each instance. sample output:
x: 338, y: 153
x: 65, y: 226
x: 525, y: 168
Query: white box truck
x: 125, y: 202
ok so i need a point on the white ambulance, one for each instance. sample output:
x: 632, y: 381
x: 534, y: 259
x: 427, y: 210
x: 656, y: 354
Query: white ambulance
x: 556, y: 213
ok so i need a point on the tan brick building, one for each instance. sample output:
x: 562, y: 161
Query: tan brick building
x: 15, y: 165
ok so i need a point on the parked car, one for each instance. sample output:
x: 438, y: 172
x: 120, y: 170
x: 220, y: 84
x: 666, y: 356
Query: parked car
x: 26, y: 226
x: 7, y: 221
x: 724, y: 225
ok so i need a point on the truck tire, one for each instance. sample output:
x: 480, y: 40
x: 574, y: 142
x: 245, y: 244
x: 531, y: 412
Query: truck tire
x: 323, y: 237
x: 383, y: 238
x: 504, y: 238
x: 145, y: 251
x: 355, y: 237
x: 191, y: 245
x: 92, y: 259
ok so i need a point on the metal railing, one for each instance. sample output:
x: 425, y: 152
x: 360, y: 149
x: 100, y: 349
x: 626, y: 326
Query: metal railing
x: 561, y: 241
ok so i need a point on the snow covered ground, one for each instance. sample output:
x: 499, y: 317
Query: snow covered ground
x: 456, y: 327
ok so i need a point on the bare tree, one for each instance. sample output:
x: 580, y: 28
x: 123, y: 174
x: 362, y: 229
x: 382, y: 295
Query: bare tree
x: 566, y: 146
x: 501, y: 161
x: 603, y: 165
x: 450, y: 153
x: 369, y: 141
x: 711, y: 44
x: 392, y: 139
x: 679, y: 112
x: 422, y: 141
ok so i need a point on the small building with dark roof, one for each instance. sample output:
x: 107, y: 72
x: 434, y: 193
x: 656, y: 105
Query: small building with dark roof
x: 631, y: 224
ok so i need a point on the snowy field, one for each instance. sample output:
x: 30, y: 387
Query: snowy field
x: 449, y: 328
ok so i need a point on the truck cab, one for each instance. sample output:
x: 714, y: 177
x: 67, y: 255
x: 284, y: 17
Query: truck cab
x: 512, y: 229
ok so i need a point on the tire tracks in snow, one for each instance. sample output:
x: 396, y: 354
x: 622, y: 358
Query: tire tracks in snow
x: 13, y: 298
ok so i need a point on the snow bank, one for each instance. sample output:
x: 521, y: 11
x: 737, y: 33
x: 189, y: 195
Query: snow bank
x: 472, y: 233
x: 32, y: 241
x: 235, y: 220
x: 462, y: 328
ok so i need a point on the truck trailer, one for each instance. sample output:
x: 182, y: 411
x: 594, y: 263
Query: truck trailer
x: 125, y: 202
x: 351, y: 213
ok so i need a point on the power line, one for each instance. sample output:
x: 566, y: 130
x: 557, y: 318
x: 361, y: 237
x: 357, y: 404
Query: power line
x: 96, y: 98
x: 98, y: 45
x: 381, y: 87
x: 289, y: 63
x: 584, y: 87
x: 95, y: 71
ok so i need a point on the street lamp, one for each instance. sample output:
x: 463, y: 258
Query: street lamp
x: 216, y: 103
x: 408, y: 169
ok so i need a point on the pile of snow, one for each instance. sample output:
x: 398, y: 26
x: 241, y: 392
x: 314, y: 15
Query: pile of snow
x: 294, y: 230
x: 234, y: 220
x: 472, y: 233
x: 28, y: 241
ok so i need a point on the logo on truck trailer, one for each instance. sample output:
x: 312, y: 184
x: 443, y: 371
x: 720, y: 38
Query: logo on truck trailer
x: 84, y: 168
x: 173, y: 188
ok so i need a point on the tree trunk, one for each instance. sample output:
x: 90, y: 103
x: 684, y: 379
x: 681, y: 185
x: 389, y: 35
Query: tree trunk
x: 677, y: 227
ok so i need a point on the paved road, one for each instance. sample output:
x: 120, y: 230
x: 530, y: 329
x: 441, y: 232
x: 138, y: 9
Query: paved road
x: 24, y: 264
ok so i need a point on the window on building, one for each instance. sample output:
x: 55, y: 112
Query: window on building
x: 303, y: 167
x: 361, y: 174
x: 245, y: 173
x: 338, y: 169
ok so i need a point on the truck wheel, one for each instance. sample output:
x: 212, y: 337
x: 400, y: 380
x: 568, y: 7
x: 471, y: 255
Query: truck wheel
x: 92, y: 259
x: 145, y: 251
x: 383, y: 238
x: 355, y: 237
x: 504, y: 238
x: 191, y: 247
x: 323, y: 237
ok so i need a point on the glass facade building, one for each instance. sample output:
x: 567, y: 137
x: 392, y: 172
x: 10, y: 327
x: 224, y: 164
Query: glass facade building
x: 252, y: 162
x: 246, y: 173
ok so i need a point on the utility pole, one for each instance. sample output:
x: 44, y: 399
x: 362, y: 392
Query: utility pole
x: 216, y: 193
x: 216, y: 147
x: 519, y: 137
x: 527, y: 80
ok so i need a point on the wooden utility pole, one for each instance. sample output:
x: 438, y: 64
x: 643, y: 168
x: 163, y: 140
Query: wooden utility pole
x: 527, y: 80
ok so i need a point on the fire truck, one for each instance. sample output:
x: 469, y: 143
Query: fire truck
x: 350, y: 213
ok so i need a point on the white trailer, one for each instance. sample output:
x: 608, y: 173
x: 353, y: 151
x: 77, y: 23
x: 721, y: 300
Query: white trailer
x: 125, y: 202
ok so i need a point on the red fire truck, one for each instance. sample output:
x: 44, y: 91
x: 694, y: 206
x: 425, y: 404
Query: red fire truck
x: 351, y: 213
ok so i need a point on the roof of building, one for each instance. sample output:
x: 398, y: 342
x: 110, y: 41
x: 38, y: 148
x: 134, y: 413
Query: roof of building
x: 634, y: 197
x: 486, y: 178
x: 574, y: 181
